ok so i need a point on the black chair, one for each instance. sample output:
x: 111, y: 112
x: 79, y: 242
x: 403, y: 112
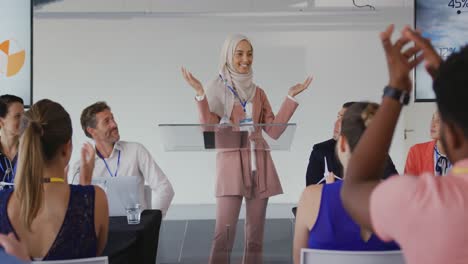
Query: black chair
x: 134, y: 243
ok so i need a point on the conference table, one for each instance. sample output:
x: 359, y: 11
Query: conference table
x: 133, y: 243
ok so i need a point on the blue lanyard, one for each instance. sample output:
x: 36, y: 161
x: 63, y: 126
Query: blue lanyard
x: 1, y: 166
x: 243, y: 104
x: 107, y: 166
x: 436, y: 159
x: 9, y: 170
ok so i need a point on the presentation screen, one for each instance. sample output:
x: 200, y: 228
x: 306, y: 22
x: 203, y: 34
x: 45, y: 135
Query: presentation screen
x: 445, y: 22
x: 16, y: 48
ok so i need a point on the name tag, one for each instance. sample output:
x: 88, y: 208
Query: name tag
x: 246, y: 124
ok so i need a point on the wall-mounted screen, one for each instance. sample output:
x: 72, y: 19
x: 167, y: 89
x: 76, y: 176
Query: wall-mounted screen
x: 445, y: 22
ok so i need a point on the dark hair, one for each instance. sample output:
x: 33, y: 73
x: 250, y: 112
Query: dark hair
x: 347, y: 104
x: 47, y: 126
x: 355, y: 121
x: 451, y: 89
x: 6, y: 100
x: 88, y: 116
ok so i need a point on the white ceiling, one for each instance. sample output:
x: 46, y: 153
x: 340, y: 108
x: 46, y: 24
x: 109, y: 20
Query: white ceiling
x: 213, y: 6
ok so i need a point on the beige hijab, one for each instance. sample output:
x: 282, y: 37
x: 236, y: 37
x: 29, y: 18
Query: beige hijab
x: 220, y: 98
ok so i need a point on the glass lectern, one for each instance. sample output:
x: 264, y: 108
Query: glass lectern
x: 208, y: 137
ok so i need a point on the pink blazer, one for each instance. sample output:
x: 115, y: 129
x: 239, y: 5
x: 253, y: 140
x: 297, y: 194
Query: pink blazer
x: 420, y: 159
x: 233, y: 175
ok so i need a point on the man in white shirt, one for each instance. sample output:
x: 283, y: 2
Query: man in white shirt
x: 116, y: 158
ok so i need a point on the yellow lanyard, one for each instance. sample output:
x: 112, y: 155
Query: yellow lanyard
x: 54, y: 179
x: 462, y: 170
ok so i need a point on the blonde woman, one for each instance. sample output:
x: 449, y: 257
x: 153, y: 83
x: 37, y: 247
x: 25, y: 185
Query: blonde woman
x: 53, y: 219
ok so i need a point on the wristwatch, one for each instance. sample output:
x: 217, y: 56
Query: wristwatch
x: 401, y: 96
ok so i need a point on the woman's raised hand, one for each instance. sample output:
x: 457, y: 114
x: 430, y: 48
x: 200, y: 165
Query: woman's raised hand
x: 298, y: 88
x: 192, y: 81
x: 431, y: 57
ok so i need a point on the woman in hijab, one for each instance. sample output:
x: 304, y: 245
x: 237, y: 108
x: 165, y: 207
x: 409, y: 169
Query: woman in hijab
x: 234, y: 98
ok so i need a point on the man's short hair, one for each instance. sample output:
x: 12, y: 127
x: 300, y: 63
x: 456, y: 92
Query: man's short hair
x: 451, y: 89
x: 88, y: 116
x: 347, y: 104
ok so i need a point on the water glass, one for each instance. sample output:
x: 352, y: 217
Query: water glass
x: 133, y: 213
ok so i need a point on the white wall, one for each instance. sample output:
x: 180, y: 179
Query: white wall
x: 133, y: 63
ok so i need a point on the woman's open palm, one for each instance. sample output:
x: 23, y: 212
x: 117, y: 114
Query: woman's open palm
x: 298, y: 88
x: 192, y: 81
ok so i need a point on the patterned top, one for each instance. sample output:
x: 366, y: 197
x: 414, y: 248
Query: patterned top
x: 77, y: 236
x: 7, y: 169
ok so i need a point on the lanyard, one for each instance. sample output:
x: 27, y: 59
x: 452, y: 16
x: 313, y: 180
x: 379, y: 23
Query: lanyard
x: 54, y: 179
x: 107, y: 166
x: 243, y: 104
x: 10, y: 170
x: 462, y: 170
x: 437, y: 155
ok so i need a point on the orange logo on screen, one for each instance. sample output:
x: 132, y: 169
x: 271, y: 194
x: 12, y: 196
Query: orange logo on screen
x: 12, y: 58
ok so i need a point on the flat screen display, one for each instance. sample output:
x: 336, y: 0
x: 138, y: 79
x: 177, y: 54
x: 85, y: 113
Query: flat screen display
x: 445, y: 22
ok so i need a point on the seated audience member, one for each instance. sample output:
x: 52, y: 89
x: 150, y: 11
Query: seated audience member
x: 11, y: 111
x: 429, y: 156
x: 12, y: 251
x: 426, y: 215
x: 322, y: 222
x: 117, y: 158
x: 326, y: 150
x: 53, y: 219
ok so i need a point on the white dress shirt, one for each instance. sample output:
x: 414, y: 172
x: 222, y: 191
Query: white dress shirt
x: 135, y: 160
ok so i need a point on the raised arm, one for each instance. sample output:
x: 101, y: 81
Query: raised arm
x: 367, y: 162
x: 390, y: 169
x: 205, y: 116
x: 286, y: 111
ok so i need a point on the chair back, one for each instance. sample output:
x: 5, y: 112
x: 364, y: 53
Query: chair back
x: 314, y: 256
x: 96, y: 260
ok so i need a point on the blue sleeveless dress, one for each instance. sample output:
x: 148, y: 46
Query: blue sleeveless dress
x: 77, y: 236
x: 335, y: 230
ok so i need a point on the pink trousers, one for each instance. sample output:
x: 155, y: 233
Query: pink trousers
x: 227, y: 214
